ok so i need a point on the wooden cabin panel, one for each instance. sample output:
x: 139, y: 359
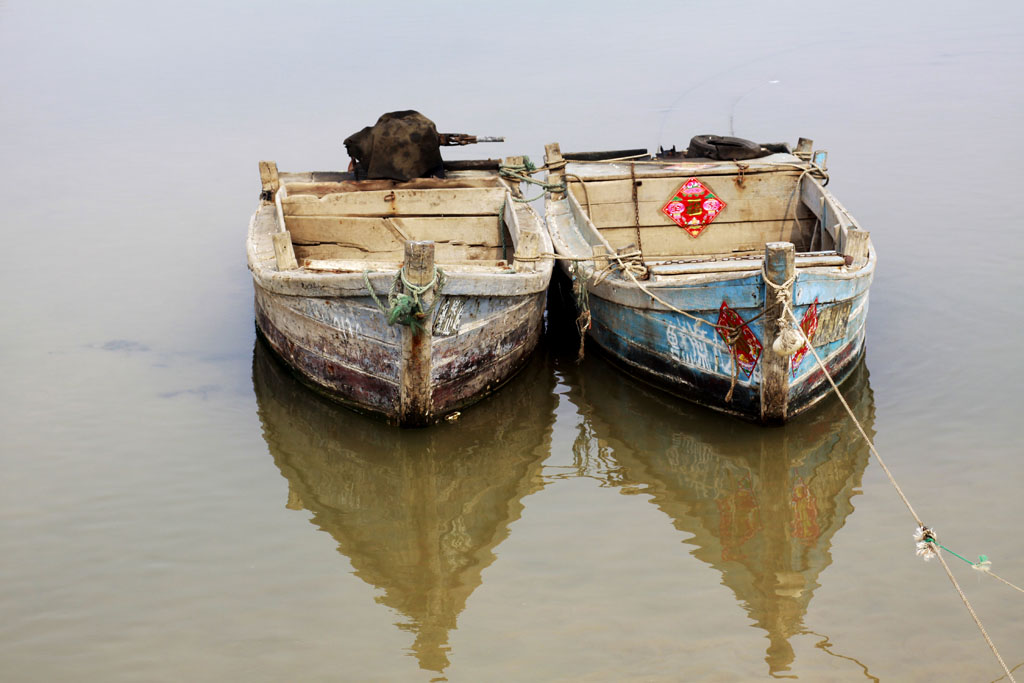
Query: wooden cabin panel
x: 650, y: 213
x: 716, y: 239
x: 475, y: 230
x: 443, y: 253
x: 772, y: 192
x: 319, y: 185
x: 444, y: 202
x: 366, y: 234
x: 385, y: 234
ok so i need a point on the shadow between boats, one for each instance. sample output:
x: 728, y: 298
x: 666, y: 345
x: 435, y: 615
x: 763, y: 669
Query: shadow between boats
x: 418, y: 513
x: 760, y: 505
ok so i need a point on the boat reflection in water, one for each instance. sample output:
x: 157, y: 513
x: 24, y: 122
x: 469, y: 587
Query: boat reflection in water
x: 417, y: 512
x: 762, y: 504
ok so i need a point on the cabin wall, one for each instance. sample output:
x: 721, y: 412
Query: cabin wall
x: 374, y: 225
x: 760, y: 208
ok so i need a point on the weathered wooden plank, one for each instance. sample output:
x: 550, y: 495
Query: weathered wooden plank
x: 721, y: 266
x: 672, y: 240
x: 444, y: 253
x: 677, y: 339
x: 737, y: 211
x: 775, y: 190
x: 312, y: 185
x: 385, y: 234
x: 856, y: 246
x: 342, y: 332
x: 284, y: 252
x: 415, y: 390
x: 358, y: 266
x: 350, y: 385
x: 828, y: 287
x: 440, y: 202
x: 269, y: 179
x: 779, y: 268
x: 472, y: 369
x: 676, y: 354
x: 481, y: 334
x: 553, y: 159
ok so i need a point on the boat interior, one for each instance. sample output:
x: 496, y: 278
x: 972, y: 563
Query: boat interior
x: 760, y: 207
x: 332, y: 217
x: 776, y: 198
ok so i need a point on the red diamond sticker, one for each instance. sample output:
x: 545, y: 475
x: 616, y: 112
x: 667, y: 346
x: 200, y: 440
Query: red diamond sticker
x: 748, y: 348
x: 809, y: 324
x: 693, y: 207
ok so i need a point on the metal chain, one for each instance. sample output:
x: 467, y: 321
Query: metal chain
x: 636, y: 212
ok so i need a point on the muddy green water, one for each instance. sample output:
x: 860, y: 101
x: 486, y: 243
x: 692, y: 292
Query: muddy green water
x: 173, y: 507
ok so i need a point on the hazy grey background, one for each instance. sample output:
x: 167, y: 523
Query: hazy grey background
x: 143, y: 525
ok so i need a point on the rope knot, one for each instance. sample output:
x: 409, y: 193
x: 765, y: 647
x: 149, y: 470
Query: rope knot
x: 406, y: 308
x: 790, y: 340
x: 925, y: 542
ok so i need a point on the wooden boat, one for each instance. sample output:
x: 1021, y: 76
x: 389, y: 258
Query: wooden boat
x: 681, y: 264
x: 409, y: 299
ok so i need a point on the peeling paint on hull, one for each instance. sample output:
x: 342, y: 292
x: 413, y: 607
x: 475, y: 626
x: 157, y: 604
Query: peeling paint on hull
x: 363, y: 370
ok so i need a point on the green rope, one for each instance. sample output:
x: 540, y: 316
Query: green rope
x: 955, y: 553
x: 373, y: 295
x: 546, y: 190
x: 407, y: 308
x: 982, y: 559
x: 520, y: 173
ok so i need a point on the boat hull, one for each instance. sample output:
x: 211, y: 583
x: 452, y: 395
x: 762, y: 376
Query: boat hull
x: 343, y: 347
x: 698, y: 313
x: 690, y: 360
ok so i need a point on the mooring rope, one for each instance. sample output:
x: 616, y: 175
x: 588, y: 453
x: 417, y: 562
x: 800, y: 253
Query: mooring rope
x: 927, y: 545
x: 731, y: 333
x: 982, y: 565
x: 584, y: 321
x: 407, y: 309
x: 520, y: 173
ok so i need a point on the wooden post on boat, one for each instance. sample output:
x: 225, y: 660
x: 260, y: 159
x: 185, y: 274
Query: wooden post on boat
x: 270, y: 179
x: 554, y: 161
x: 271, y: 192
x: 514, y: 186
x: 414, y: 393
x: 855, y: 247
x: 779, y: 267
x: 284, y: 251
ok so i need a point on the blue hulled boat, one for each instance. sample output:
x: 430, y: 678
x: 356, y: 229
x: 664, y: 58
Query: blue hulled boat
x: 706, y: 272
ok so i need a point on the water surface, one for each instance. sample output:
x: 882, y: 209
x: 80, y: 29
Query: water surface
x: 176, y: 507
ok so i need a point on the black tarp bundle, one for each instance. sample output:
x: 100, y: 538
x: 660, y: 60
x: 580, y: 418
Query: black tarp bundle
x: 402, y: 145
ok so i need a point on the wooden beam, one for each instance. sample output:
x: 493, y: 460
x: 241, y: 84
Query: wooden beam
x: 553, y: 158
x: 284, y: 252
x: 414, y: 400
x: 380, y: 203
x: 740, y: 265
x: 379, y: 234
x: 270, y: 180
x: 856, y: 246
x: 717, y: 238
x: 779, y: 267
